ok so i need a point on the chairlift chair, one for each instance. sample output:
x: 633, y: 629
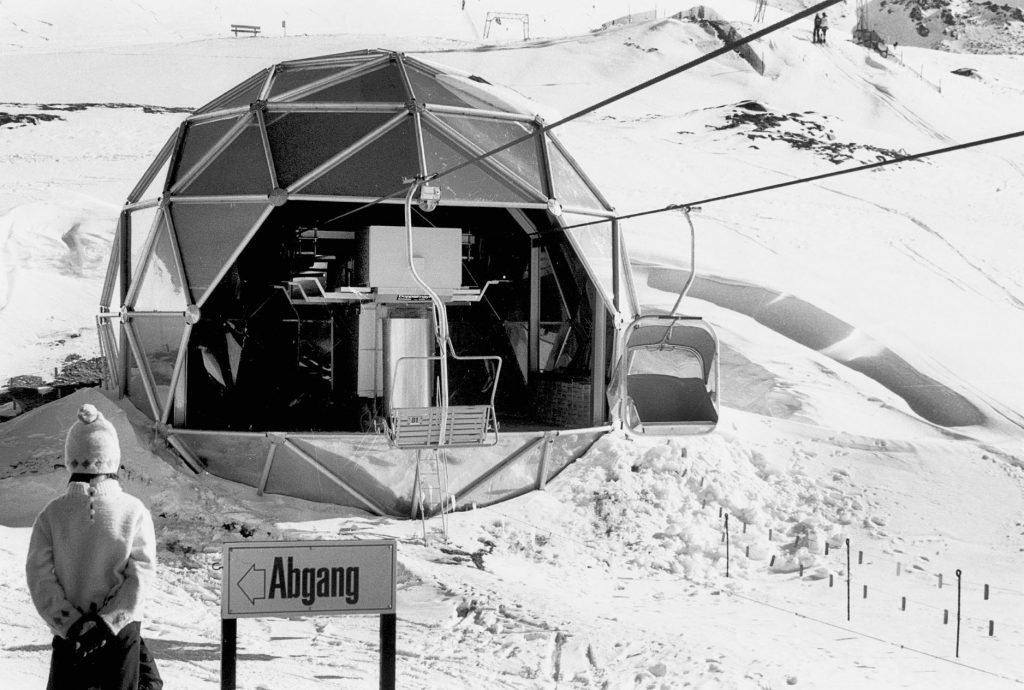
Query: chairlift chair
x: 441, y: 425
x: 667, y: 378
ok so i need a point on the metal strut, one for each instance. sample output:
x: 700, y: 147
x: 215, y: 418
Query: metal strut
x: 441, y: 333
x: 693, y: 262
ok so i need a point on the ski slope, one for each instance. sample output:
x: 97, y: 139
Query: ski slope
x: 871, y: 327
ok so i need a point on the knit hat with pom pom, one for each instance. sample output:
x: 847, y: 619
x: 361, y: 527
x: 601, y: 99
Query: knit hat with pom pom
x: 92, y: 446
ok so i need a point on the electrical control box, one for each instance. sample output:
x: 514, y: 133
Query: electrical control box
x: 383, y: 259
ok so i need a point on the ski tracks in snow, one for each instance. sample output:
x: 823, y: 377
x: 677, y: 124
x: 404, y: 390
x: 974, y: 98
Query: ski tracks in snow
x: 973, y: 265
x: 882, y: 95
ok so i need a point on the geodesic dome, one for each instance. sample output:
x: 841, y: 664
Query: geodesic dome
x: 342, y: 130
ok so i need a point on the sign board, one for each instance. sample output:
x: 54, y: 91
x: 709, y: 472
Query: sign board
x: 308, y: 578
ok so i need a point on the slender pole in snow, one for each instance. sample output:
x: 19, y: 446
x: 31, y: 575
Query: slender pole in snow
x: 847, y: 579
x: 958, y: 613
x: 727, y: 544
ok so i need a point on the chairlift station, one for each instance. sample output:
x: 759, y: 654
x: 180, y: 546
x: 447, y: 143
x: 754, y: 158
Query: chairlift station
x: 303, y: 300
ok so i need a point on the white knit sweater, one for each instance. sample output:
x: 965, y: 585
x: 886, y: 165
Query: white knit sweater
x: 92, y: 549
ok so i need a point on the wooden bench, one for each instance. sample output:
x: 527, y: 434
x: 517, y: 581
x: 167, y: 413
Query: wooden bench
x: 244, y: 29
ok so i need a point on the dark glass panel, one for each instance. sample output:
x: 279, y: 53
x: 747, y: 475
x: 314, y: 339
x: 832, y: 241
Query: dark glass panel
x: 208, y: 235
x: 241, y: 168
x: 378, y: 169
x: 200, y: 138
x: 300, y: 142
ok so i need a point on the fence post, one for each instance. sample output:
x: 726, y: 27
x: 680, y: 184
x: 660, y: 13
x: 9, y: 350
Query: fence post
x: 727, y: 544
x: 847, y: 579
x: 228, y: 647
x: 958, y: 582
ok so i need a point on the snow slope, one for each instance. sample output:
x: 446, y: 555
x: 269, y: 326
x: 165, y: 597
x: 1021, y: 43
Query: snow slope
x: 871, y: 328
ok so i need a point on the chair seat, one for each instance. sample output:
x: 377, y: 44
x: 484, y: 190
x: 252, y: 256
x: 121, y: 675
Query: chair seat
x: 662, y: 399
x: 420, y: 427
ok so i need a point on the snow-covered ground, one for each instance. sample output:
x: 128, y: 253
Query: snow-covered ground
x: 871, y: 328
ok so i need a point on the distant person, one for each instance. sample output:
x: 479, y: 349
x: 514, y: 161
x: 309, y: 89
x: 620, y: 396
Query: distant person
x: 816, y: 37
x: 91, y: 560
x: 823, y: 28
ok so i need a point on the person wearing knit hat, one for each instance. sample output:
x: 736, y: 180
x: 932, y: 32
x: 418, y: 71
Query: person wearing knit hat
x: 91, y: 562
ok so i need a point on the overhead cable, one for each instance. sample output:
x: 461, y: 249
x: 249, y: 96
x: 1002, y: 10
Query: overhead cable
x: 802, y: 180
x: 718, y: 52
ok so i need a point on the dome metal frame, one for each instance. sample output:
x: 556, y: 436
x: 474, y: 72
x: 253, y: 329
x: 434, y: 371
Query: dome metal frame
x: 258, y: 104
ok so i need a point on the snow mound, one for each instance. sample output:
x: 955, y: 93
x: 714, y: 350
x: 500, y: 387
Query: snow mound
x: 51, y: 253
x: 674, y: 495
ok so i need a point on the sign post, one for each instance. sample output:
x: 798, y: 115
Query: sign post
x: 308, y: 578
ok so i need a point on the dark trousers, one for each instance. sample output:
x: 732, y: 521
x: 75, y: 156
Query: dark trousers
x: 125, y: 665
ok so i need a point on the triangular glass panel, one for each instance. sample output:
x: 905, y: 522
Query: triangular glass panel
x: 156, y: 186
x: 426, y: 89
x: 200, y: 138
x: 382, y: 85
x: 109, y: 345
x: 570, y: 189
x: 627, y: 299
x: 140, y: 225
x: 245, y: 93
x: 471, y: 183
x: 488, y: 134
x: 300, y: 142
x: 159, y: 338
x: 135, y: 387
x: 162, y: 288
x: 377, y: 169
x: 482, y: 95
x: 208, y: 236
x: 593, y: 243
x: 110, y: 297
x: 292, y: 78
x: 241, y: 168
x: 153, y: 187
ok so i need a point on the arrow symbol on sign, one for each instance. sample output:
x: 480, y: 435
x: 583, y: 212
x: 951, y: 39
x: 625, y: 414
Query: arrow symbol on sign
x: 257, y: 582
